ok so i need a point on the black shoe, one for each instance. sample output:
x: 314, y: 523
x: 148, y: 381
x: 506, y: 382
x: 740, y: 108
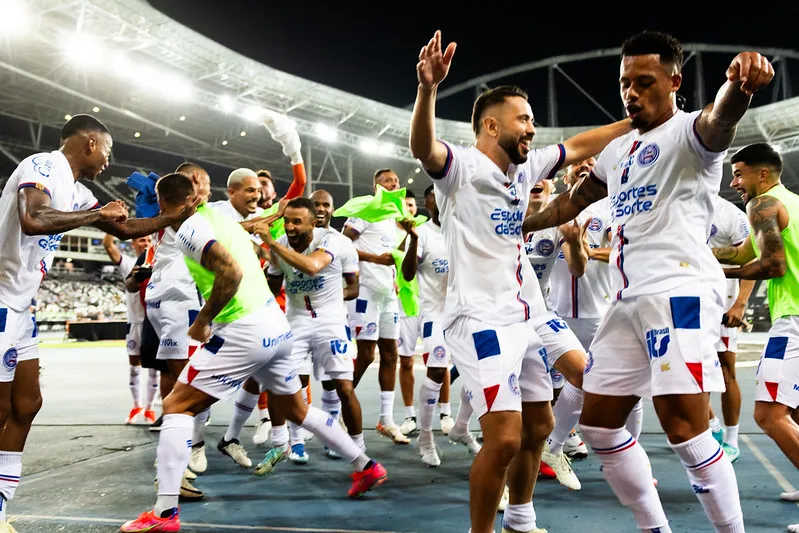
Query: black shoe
x: 156, y: 426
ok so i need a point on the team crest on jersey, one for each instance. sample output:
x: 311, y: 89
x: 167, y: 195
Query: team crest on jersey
x: 371, y: 327
x: 42, y: 165
x: 10, y: 359
x: 545, y: 247
x: 595, y: 225
x: 513, y: 384
x: 439, y: 353
x: 589, y: 364
x: 132, y: 345
x: 648, y: 155
x: 713, y: 230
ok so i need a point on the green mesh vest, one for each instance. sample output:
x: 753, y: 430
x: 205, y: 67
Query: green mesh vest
x: 783, y: 293
x: 253, y: 292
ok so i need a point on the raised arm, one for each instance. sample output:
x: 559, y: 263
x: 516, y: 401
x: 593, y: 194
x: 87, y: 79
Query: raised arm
x: 431, y: 70
x: 567, y: 206
x: 748, y: 73
x: 111, y: 249
x: 410, y: 263
x: 573, y: 250
x: 36, y: 217
x: 385, y: 259
x: 764, y: 215
x: 133, y: 228
x: 310, y: 264
x: 589, y: 143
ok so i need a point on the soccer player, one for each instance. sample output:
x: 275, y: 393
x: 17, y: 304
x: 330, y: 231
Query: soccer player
x: 771, y: 253
x: 427, y: 257
x: 310, y: 261
x: 243, y: 332
x: 659, y: 336
x: 730, y: 228
x: 374, y: 315
x: 482, y: 194
x: 41, y: 200
x: 135, y: 315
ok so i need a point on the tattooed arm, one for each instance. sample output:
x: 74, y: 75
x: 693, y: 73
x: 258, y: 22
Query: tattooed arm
x: 567, y: 205
x: 764, y: 214
x: 227, y: 277
x: 735, y: 255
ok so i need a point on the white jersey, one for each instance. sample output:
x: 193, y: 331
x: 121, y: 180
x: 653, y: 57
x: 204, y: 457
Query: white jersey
x: 433, y: 269
x: 481, y: 212
x: 133, y: 306
x: 170, y: 280
x: 543, y: 248
x: 320, y: 296
x: 661, y: 185
x: 224, y: 207
x: 375, y: 238
x: 589, y: 295
x: 25, y: 259
x: 730, y: 228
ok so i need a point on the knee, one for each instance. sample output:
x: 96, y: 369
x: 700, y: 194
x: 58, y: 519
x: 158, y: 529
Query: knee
x: 27, y: 407
x: 437, y: 374
x: 345, y: 390
x: 534, y: 435
x: 680, y: 430
x: 406, y: 363
x: 765, y: 418
x: 503, y: 447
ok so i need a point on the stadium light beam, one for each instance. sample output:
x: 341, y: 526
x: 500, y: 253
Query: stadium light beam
x: 176, y: 88
x: 325, y: 132
x: 385, y: 148
x: 15, y: 18
x: 83, y: 51
x: 227, y: 104
x: 368, y: 146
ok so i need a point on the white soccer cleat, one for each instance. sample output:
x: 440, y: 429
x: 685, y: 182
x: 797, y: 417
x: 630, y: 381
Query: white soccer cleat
x: 574, y: 447
x: 393, y: 433
x: 467, y: 439
x: 790, y: 496
x: 306, y: 435
x: 188, y: 474
x: 504, y: 499
x: 262, y: 431
x: 562, y: 467
x: 447, y: 423
x: 408, y: 425
x: 793, y: 528
x: 198, y: 462
x: 427, y: 449
x: 506, y: 529
x: 235, y: 451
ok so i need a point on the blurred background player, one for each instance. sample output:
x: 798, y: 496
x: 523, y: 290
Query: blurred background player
x: 135, y: 314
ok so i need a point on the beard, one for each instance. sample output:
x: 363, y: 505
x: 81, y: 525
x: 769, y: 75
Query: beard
x: 511, y: 147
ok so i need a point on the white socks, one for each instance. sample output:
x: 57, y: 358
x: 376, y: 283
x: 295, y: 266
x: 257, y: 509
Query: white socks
x: 713, y: 479
x: 715, y: 424
x: 465, y: 411
x: 519, y: 517
x: 198, y: 435
x: 635, y: 420
x: 410, y: 411
x: 331, y: 403
x: 10, y: 472
x: 320, y: 424
x: 567, y: 413
x: 387, y: 408
x: 135, y: 372
x: 152, y: 387
x: 243, y: 407
x: 428, y: 398
x: 446, y: 409
x: 731, y: 436
x: 174, y: 448
x: 628, y: 472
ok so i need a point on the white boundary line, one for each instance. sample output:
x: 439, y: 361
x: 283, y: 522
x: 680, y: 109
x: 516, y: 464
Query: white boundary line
x: 768, y: 465
x: 198, y: 525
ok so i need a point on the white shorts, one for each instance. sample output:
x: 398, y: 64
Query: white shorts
x: 584, y: 328
x: 501, y: 366
x: 777, y: 377
x: 658, y: 344
x: 325, y: 347
x: 728, y: 341
x: 435, y: 354
x: 556, y: 336
x: 133, y: 339
x: 171, y: 320
x: 410, y: 331
x: 259, y: 345
x: 374, y: 316
x: 18, y: 340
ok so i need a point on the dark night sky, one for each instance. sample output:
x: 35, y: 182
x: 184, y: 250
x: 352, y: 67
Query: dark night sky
x: 371, y: 49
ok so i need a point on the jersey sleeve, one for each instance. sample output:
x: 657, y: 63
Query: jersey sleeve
x: 421, y: 244
x: 195, y: 237
x: 85, y: 198
x: 125, y: 265
x: 694, y: 140
x: 358, y: 224
x: 603, y: 166
x: 329, y: 244
x: 35, y: 173
x: 455, y: 169
x: 349, y: 257
x: 740, y: 227
x: 545, y: 162
x: 274, y: 268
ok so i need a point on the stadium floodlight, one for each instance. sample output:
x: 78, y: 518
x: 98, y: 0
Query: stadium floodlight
x: 15, y: 18
x: 777, y: 148
x: 177, y: 88
x: 227, y: 104
x: 254, y: 113
x: 83, y: 51
x: 410, y: 180
x: 385, y: 148
x: 369, y: 146
x: 122, y: 65
x: 417, y: 170
x: 325, y: 132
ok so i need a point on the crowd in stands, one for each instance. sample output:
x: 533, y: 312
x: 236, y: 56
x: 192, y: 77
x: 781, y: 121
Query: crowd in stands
x: 62, y: 299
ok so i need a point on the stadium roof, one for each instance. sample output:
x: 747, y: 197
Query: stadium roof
x: 166, y: 89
